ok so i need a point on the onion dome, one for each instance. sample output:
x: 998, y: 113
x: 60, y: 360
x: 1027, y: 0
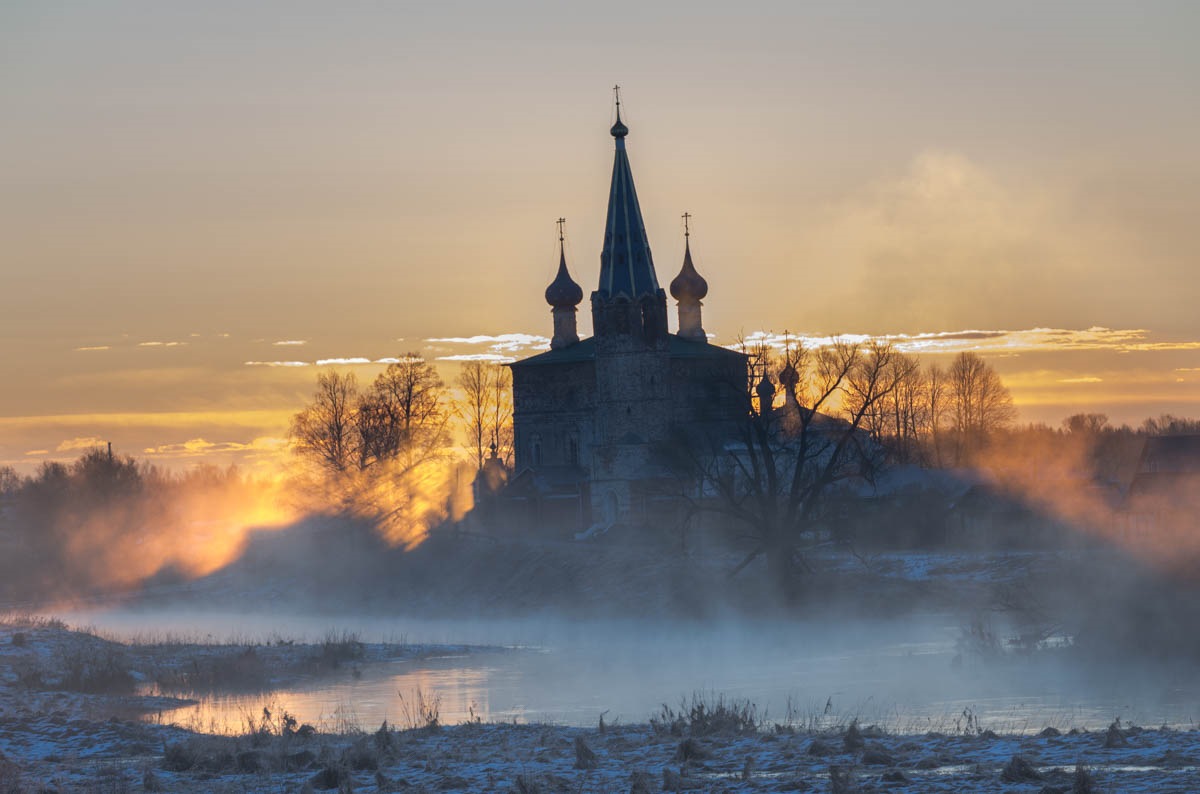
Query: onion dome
x: 766, y: 391
x: 618, y: 130
x: 688, y: 285
x: 563, y: 292
x: 788, y: 376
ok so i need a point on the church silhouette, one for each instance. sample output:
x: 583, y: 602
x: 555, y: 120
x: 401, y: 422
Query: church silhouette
x: 591, y: 416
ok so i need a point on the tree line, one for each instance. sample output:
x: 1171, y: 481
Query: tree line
x: 107, y: 521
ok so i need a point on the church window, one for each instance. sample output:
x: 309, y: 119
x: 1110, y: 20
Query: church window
x: 573, y: 451
x: 535, y: 449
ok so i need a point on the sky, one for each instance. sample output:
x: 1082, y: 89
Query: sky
x: 194, y: 194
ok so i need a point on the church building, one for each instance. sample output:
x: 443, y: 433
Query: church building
x: 590, y: 416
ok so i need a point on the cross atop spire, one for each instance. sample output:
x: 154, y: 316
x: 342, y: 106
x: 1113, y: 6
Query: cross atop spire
x: 561, y: 222
x: 619, y: 130
x: 686, y: 230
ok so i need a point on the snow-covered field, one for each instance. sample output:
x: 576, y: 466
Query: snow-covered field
x: 53, y: 736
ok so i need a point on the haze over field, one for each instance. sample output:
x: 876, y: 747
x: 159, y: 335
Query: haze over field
x: 201, y: 206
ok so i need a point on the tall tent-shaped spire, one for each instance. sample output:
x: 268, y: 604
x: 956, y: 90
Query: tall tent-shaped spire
x: 626, y: 267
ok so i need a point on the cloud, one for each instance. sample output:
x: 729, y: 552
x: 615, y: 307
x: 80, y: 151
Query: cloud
x: 501, y: 341
x: 38, y: 452
x: 322, y: 362
x: 79, y: 443
x: 325, y: 362
x: 93, y: 347
x: 290, y: 342
x: 496, y: 357
x: 996, y: 342
x: 252, y: 418
x: 200, y: 447
x: 161, y: 344
x: 500, y: 347
x: 1083, y: 379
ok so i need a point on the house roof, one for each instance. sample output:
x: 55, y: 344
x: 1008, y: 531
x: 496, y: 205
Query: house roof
x: 585, y: 350
x: 1171, y: 454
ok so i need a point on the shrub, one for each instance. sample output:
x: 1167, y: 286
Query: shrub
x: 699, y: 718
x: 92, y: 671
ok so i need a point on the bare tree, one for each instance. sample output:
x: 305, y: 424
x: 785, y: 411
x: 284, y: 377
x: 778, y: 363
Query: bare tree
x: 411, y: 396
x: 326, y: 433
x: 501, y: 424
x: 1086, y: 424
x: 486, y: 409
x: 10, y: 481
x: 981, y: 403
x: 772, y: 483
x: 475, y: 380
x: 937, y: 409
x: 382, y: 452
x: 402, y: 414
x: 898, y: 419
x: 1169, y: 425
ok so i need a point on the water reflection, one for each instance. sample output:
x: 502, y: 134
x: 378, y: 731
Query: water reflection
x: 900, y: 675
x: 901, y: 691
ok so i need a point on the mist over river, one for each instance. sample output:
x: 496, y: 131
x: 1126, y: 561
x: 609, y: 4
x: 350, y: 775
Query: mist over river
x: 911, y: 675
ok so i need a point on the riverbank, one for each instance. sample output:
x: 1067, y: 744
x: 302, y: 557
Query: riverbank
x: 68, y: 730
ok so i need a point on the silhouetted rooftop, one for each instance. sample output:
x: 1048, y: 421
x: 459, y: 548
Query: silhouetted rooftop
x: 585, y: 350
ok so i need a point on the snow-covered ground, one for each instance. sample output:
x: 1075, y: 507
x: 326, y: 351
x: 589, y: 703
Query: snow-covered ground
x: 53, y: 737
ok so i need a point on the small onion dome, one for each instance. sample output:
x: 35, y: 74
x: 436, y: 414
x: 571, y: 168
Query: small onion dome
x: 619, y: 130
x: 688, y: 285
x: 765, y: 389
x: 788, y: 376
x: 563, y: 292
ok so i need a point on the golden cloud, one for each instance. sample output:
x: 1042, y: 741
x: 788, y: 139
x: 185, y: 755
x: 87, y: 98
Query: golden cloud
x: 1127, y: 340
x: 200, y: 447
x: 275, y: 363
x: 177, y: 419
x: 79, y: 443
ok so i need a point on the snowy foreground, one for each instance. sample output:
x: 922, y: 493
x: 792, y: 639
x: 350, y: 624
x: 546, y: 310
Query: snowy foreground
x: 73, y: 713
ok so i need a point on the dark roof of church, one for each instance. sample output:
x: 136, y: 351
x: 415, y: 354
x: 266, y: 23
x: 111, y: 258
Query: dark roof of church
x: 585, y: 350
x: 626, y: 267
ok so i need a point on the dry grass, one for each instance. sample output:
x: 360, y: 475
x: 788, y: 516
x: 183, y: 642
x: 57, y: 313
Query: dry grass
x: 241, y: 670
x: 419, y: 712
x: 700, y: 717
x: 30, y: 620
